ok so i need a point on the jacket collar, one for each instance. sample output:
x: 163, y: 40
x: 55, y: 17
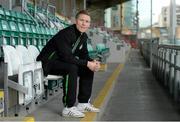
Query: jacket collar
x: 77, y: 32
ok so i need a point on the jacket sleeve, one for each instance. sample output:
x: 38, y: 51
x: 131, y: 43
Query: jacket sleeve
x: 64, y: 50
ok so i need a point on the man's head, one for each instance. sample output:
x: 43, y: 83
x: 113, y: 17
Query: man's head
x: 83, y: 20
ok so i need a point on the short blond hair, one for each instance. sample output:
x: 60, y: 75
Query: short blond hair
x: 82, y: 12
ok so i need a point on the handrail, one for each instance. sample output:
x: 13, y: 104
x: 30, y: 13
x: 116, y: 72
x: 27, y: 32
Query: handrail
x: 47, y: 10
x: 42, y: 20
x: 30, y: 16
x: 52, y: 22
x: 169, y: 46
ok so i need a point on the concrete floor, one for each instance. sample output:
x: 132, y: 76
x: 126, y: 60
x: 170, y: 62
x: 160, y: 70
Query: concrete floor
x: 137, y: 95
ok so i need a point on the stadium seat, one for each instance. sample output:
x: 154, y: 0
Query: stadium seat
x: 30, y: 33
x: 48, y: 34
x: 103, y: 51
x: 40, y: 47
x: 92, y: 53
x: 20, y: 17
x: 22, y: 34
x: 5, y: 32
x: 14, y: 33
x: 24, y: 72
x: 35, y: 35
x: 27, y: 58
x: 39, y: 32
x: 28, y: 20
x: 8, y: 15
x: 101, y: 48
x: 14, y: 15
x: 43, y: 35
x: 50, y: 79
x: 2, y: 15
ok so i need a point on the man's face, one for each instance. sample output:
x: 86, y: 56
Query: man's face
x: 83, y: 22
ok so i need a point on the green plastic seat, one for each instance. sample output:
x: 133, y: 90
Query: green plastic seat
x: 103, y: 51
x: 22, y: 34
x: 30, y: 33
x: 8, y: 15
x: 35, y: 35
x: 101, y: 48
x: 44, y: 36
x: 28, y: 20
x: 91, y: 52
x: 48, y: 32
x: 54, y: 31
x: 39, y: 40
x: 5, y: 32
x: 39, y: 34
x: 2, y: 14
x: 45, y: 33
x: 20, y: 17
x: 14, y: 33
x: 13, y: 16
x: 40, y: 47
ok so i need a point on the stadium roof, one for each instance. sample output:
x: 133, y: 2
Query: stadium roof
x: 104, y: 3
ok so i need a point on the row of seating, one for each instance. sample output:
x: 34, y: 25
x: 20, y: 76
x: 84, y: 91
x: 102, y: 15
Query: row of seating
x: 46, y: 15
x: 100, y: 53
x: 108, y: 46
x: 17, y: 33
x: 29, y: 71
x: 9, y: 15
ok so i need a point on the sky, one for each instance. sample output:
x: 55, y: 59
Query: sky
x: 144, y: 10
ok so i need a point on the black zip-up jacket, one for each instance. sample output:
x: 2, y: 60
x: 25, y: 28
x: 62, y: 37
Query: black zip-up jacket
x: 62, y: 44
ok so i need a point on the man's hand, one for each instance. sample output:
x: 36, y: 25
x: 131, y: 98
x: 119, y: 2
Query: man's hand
x: 93, y: 65
x: 97, y: 66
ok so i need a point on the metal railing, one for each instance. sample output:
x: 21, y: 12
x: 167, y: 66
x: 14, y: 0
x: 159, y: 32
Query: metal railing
x: 165, y: 64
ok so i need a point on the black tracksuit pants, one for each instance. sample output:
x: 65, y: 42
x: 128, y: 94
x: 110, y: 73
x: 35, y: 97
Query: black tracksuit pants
x: 71, y: 73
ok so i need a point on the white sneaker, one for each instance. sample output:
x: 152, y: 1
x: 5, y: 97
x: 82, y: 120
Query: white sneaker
x: 87, y: 107
x: 72, y: 112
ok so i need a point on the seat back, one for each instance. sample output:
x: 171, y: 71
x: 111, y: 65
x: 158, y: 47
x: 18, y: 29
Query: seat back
x: 38, y: 72
x: 5, y: 32
x: 89, y: 47
x: 27, y: 59
x: 33, y: 51
x: 25, y: 74
x: 12, y: 58
x: 14, y: 33
x: 100, y: 47
x: 24, y: 55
